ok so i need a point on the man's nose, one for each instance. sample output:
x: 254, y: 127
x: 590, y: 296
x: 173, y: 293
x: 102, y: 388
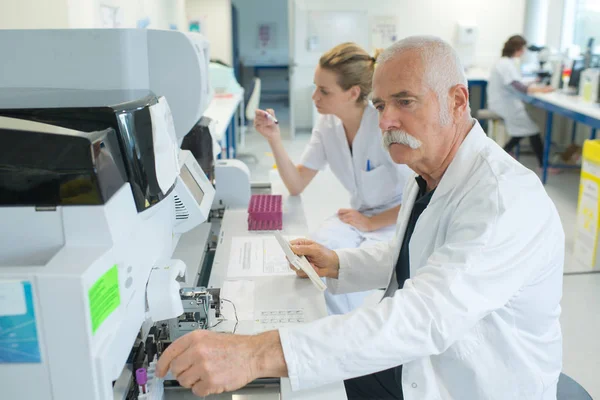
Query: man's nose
x: 388, y: 120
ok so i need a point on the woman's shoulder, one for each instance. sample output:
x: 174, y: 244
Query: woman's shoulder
x: 503, y: 62
x: 325, y: 122
x: 370, y: 116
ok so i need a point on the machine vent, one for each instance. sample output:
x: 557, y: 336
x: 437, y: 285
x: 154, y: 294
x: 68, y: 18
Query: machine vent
x: 181, y: 211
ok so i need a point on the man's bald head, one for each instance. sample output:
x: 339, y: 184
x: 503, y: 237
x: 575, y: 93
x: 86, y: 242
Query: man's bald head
x: 420, y: 92
x: 441, y: 66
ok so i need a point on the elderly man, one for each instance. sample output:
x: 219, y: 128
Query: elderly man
x: 474, y: 274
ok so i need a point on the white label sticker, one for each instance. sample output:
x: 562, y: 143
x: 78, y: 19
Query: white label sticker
x: 12, y: 298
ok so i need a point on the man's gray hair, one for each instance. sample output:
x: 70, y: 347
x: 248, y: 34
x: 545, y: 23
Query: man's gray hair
x: 443, y: 68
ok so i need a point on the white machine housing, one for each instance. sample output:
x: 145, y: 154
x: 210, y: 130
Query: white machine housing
x: 169, y: 63
x: 194, y: 194
x: 63, y: 255
x: 80, y: 272
x: 233, y: 184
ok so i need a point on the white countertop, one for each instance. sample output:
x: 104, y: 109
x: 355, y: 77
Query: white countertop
x: 276, y: 291
x: 571, y: 103
x: 221, y: 109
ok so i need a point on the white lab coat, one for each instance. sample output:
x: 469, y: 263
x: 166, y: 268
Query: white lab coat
x: 502, y: 99
x: 372, y: 191
x: 479, y: 318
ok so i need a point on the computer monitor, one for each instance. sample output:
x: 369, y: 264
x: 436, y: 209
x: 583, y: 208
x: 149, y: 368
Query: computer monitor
x: 578, y: 66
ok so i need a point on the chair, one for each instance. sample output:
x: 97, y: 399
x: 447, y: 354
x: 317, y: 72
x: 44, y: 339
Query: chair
x: 494, y: 120
x: 251, y: 106
x: 568, y: 389
x: 254, y: 100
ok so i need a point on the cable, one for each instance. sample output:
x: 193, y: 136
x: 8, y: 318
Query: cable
x: 235, y: 311
x: 216, y: 324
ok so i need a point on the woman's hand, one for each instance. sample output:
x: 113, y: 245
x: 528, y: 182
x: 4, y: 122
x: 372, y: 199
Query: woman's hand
x: 265, y: 125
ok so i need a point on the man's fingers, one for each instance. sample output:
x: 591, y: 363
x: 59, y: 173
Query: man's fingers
x: 305, y: 249
x: 201, y: 389
x: 301, y: 241
x: 300, y: 273
x: 190, y: 377
x: 182, y: 362
x: 174, y: 350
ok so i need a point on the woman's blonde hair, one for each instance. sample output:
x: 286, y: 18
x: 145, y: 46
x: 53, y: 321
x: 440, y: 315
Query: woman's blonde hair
x: 353, y: 67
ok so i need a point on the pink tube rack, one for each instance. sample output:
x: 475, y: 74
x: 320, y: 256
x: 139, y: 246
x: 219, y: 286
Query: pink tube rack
x: 265, y: 212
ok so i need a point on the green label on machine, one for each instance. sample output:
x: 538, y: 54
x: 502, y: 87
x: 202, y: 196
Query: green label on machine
x: 104, y: 297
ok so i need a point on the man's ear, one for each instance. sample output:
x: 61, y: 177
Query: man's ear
x: 459, y: 94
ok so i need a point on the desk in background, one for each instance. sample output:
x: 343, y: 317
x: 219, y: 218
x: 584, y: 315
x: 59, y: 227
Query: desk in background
x: 222, y: 109
x: 478, y: 77
x: 568, y: 106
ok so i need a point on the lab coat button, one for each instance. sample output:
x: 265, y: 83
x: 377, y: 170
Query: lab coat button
x: 414, y: 385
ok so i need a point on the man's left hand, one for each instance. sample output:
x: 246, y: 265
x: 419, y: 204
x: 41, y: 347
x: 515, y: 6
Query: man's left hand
x: 356, y: 219
x: 212, y: 363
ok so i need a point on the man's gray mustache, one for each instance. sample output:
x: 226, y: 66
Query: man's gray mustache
x: 400, y: 137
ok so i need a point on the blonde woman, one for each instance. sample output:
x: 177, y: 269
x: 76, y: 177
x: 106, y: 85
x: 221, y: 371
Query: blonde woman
x: 348, y: 139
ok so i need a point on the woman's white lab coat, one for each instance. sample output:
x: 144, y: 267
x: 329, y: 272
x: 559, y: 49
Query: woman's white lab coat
x: 372, y: 179
x: 502, y: 99
x: 479, y: 318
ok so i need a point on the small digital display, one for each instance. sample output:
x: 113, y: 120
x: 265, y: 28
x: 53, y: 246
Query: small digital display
x: 191, y: 183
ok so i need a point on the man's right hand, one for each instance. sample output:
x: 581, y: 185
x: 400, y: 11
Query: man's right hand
x: 323, y: 260
x: 266, y: 127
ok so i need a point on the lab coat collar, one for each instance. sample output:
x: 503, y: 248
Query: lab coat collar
x: 460, y: 167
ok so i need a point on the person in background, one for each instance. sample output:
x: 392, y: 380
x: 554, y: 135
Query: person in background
x: 503, y: 85
x: 348, y: 139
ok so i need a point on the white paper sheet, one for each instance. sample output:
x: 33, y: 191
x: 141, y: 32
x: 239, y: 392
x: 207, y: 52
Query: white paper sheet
x: 257, y: 256
x: 241, y: 294
x: 166, y: 151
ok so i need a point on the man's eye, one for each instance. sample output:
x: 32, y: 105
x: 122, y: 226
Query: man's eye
x: 405, y: 102
x: 379, y: 107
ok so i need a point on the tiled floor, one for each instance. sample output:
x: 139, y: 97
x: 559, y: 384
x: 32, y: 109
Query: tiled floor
x: 581, y: 295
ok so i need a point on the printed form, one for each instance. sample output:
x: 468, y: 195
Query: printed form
x: 257, y: 256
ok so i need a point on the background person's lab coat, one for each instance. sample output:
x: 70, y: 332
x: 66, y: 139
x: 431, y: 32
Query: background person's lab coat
x: 479, y: 318
x: 502, y: 99
x: 372, y: 190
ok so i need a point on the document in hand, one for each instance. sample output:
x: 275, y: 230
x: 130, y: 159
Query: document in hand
x: 300, y: 263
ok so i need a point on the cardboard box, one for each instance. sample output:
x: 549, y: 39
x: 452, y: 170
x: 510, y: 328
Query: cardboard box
x: 588, y: 206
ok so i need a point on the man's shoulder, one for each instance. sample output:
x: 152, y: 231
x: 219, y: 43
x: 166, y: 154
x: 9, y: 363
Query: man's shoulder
x: 500, y: 174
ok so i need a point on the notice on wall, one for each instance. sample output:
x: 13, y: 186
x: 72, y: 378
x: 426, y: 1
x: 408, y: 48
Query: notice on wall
x: 384, y: 31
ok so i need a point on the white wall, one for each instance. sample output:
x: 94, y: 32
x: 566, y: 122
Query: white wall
x: 42, y: 14
x: 215, y: 24
x: 32, y: 14
x: 497, y: 20
x: 251, y: 13
x: 160, y: 13
x: 555, y: 22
